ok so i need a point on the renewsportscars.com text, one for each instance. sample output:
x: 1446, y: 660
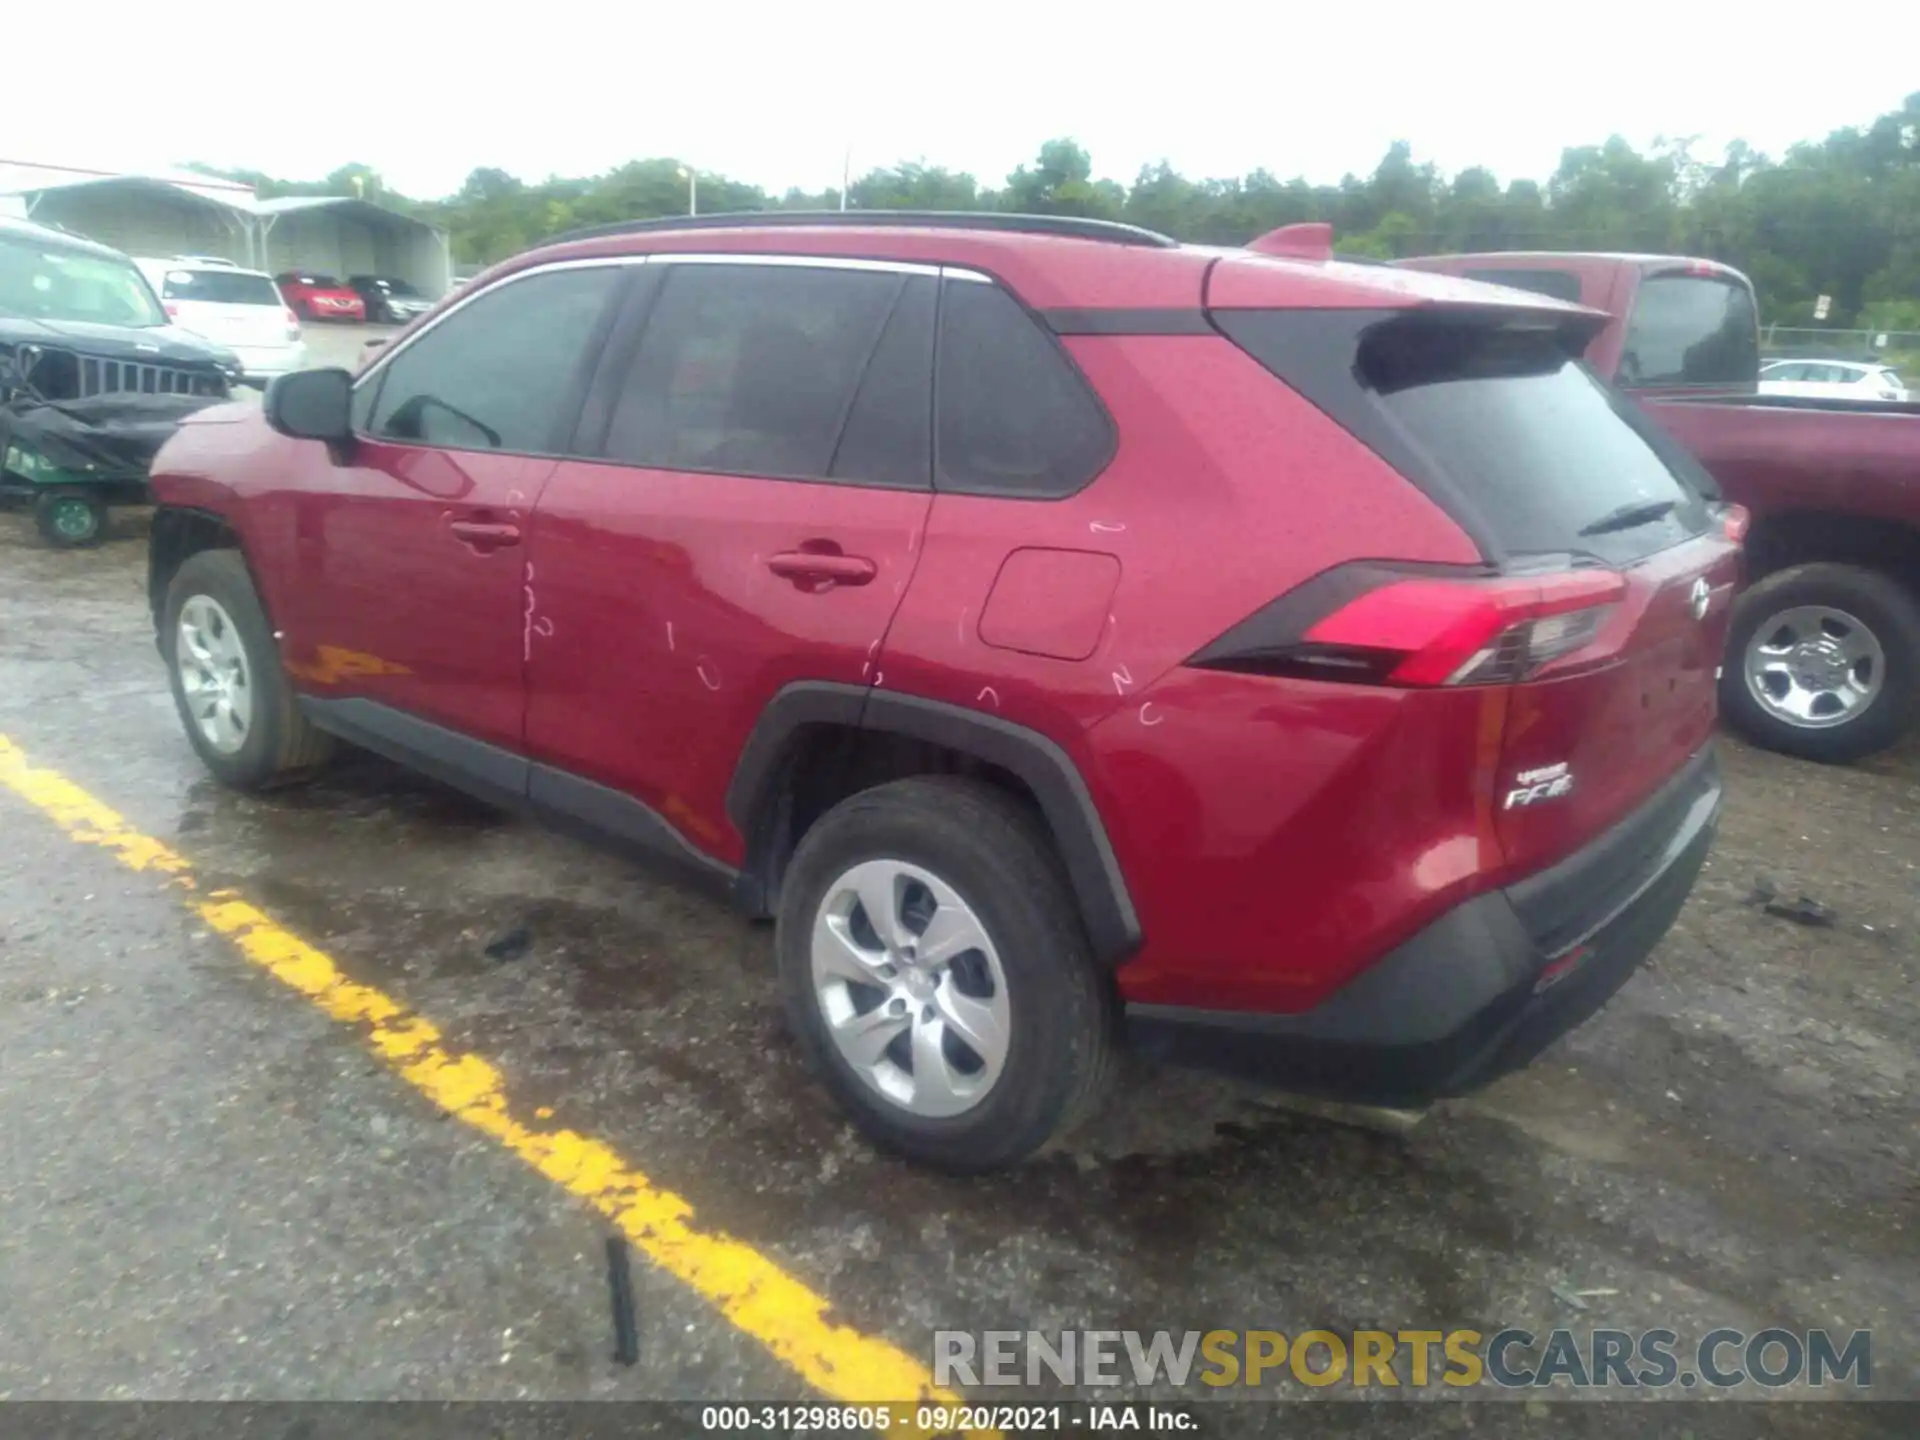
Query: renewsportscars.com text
x: 1388, y: 1359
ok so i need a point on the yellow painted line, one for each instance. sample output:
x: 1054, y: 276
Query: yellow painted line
x: 753, y: 1292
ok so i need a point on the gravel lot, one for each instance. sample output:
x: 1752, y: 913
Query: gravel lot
x: 208, y: 1190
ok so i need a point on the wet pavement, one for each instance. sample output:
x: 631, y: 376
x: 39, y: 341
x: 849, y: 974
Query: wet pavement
x: 207, y: 1189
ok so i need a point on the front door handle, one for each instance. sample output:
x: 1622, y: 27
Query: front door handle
x: 802, y: 566
x: 485, y: 534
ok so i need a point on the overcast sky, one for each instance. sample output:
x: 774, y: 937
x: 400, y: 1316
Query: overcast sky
x: 774, y: 94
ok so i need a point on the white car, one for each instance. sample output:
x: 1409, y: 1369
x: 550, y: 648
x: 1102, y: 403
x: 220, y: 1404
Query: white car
x: 1832, y: 379
x: 240, y: 309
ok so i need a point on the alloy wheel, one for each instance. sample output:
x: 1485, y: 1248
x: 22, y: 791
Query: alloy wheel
x: 911, y: 988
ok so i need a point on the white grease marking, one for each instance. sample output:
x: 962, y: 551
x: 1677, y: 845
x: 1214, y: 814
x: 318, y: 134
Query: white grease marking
x: 1105, y: 527
x: 669, y: 635
x: 1157, y: 720
x: 712, y: 682
x: 526, y: 629
x: 961, y: 629
x: 988, y: 694
x: 1122, y: 678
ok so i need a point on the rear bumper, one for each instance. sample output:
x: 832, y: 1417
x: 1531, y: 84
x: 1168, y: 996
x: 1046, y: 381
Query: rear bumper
x: 264, y: 362
x: 1484, y: 989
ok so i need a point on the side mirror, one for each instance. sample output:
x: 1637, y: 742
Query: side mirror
x: 312, y: 405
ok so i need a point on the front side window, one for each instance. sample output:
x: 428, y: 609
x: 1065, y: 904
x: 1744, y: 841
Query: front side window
x: 498, y: 373
x: 788, y: 371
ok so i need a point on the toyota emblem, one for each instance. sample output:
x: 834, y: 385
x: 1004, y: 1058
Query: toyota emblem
x: 1699, y: 598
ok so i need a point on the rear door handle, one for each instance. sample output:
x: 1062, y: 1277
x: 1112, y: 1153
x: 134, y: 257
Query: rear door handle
x: 833, y: 569
x: 485, y: 534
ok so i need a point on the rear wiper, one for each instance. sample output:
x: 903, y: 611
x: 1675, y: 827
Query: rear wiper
x: 1628, y: 516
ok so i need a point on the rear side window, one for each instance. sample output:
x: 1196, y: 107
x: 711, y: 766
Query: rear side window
x: 888, y: 439
x: 1497, y: 421
x: 500, y: 373
x: 219, y: 287
x: 1015, y: 418
x: 1560, y: 284
x: 761, y: 369
x: 1691, y: 330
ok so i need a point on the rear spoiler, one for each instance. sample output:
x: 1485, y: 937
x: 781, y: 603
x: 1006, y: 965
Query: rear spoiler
x: 1308, y: 240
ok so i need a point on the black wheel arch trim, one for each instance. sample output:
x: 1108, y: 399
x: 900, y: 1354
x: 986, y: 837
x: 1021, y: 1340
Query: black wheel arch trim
x: 1093, y: 870
x: 162, y: 534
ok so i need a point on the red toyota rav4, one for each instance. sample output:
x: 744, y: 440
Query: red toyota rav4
x: 1289, y: 665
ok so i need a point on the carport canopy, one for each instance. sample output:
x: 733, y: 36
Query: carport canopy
x: 341, y: 236
x: 334, y: 234
x: 145, y: 216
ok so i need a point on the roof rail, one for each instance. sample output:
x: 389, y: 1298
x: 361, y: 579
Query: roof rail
x: 1073, y: 226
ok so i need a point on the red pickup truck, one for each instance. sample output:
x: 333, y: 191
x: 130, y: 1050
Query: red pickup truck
x: 1823, y: 657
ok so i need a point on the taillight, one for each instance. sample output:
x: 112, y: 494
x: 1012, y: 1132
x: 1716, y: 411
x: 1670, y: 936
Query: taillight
x: 1424, y: 632
x: 293, y: 324
x: 173, y: 311
x: 1734, y: 521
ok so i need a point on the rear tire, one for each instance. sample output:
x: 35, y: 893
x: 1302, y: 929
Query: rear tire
x: 70, y: 518
x: 989, y: 867
x: 1831, y: 610
x: 239, y: 663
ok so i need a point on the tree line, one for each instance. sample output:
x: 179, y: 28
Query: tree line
x: 1838, y: 217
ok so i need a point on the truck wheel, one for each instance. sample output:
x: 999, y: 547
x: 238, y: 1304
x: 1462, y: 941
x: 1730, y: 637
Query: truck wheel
x: 936, y: 974
x: 70, y: 518
x: 228, y: 686
x: 1823, y: 662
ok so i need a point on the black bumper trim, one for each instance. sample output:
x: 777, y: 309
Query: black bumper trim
x: 1463, y: 1002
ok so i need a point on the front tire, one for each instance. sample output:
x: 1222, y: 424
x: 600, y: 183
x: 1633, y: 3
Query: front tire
x: 70, y: 518
x: 1823, y: 662
x: 228, y: 685
x: 937, y: 976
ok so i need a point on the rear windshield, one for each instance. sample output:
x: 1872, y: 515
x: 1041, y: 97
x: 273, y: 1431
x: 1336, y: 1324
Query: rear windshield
x: 1691, y: 330
x: 1500, y: 424
x: 220, y: 287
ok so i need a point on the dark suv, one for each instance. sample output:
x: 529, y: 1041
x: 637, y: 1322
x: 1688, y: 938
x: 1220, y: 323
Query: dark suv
x: 93, y: 378
x: 1293, y: 666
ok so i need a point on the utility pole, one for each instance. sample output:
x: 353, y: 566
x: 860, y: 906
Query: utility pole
x: 692, y: 177
x: 846, y: 175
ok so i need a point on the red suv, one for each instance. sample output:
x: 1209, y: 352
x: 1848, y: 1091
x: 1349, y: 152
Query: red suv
x: 320, y: 297
x: 1287, y: 665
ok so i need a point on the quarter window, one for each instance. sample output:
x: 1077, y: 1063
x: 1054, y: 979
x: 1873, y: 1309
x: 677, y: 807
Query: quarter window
x: 1015, y: 416
x: 499, y: 373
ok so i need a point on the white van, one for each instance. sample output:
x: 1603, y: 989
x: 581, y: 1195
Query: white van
x: 240, y: 309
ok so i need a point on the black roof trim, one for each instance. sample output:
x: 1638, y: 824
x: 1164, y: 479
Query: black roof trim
x: 1071, y: 226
